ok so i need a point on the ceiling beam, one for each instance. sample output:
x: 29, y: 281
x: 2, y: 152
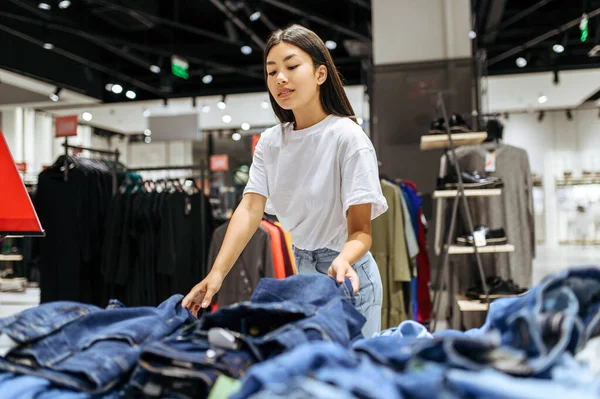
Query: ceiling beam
x: 362, y: 3
x: 316, y: 19
x: 84, y: 61
x: 233, y: 18
x: 263, y: 18
x: 493, y: 30
x: 493, y: 19
x: 541, y: 38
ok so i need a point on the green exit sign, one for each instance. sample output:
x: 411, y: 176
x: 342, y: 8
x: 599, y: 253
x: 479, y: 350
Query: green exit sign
x: 179, y: 67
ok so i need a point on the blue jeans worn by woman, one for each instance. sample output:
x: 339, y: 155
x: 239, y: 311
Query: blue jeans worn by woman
x: 369, y: 298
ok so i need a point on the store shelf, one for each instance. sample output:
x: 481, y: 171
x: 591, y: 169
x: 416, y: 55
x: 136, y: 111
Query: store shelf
x: 579, y: 242
x: 483, y: 192
x: 11, y: 258
x: 580, y: 181
x: 467, y: 305
x: 459, y: 250
x: 440, y: 141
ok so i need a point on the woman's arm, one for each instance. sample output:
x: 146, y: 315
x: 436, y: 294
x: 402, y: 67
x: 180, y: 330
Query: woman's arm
x: 243, y: 225
x: 358, y: 244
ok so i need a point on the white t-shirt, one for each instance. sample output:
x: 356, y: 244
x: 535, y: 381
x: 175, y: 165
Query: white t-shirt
x: 312, y: 176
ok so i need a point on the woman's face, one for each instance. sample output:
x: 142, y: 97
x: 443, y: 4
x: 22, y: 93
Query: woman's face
x: 291, y: 76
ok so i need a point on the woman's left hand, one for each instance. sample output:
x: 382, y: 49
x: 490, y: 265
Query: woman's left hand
x: 341, y: 269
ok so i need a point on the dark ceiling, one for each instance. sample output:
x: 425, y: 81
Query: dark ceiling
x: 117, y: 41
x: 96, y: 42
x: 508, y: 29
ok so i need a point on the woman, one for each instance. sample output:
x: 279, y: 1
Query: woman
x: 317, y: 172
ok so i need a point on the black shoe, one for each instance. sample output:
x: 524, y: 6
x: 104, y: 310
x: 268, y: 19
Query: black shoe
x: 458, y: 124
x: 492, y: 237
x: 438, y: 126
x: 497, y: 288
x: 470, y: 180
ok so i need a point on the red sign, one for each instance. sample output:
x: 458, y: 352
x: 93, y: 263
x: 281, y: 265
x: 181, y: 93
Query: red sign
x: 255, y: 139
x: 66, y: 126
x: 219, y: 163
x: 21, y: 166
x: 17, y: 215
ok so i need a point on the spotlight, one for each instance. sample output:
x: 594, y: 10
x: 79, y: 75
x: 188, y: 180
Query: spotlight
x: 556, y: 78
x: 207, y: 79
x: 131, y: 94
x: 331, y: 45
x: 264, y: 104
x: 148, y: 140
x: 246, y: 50
x: 255, y: 16
x: 55, y: 96
x: 558, y: 48
x: 117, y: 89
x: 44, y: 6
x: 472, y: 34
x: 542, y: 99
x: 236, y: 137
x: 147, y: 113
x: 86, y: 116
x: 109, y: 86
x: 221, y: 104
x: 147, y: 132
x: 227, y: 118
x: 64, y: 4
x: 569, y: 115
x: 155, y: 69
x: 245, y: 126
x: 48, y: 46
x: 206, y: 109
x: 541, y: 116
x: 521, y: 62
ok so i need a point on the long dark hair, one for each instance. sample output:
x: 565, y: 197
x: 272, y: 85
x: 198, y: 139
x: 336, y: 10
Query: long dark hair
x: 333, y: 96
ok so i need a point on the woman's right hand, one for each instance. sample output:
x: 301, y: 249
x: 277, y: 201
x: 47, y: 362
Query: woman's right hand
x: 200, y: 297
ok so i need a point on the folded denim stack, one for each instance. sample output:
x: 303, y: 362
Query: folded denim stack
x: 84, y: 347
x: 280, y: 316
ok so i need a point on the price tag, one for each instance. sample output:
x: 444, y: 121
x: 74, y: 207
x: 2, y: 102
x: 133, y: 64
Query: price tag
x: 480, y: 238
x: 490, y: 161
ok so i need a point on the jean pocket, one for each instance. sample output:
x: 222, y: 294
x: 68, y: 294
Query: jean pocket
x: 366, y: 295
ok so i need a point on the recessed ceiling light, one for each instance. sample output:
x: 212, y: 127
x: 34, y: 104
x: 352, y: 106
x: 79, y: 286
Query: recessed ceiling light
x: 472, y: 34
x: 221, y: 105
x: 331, y: 45
x: 245, y: 126
x: 44, y: 6
x: 117, y: 89
x: 154, y: 68
x: 147, y: 132
x: 227, y: 118
x: 131, y: 94
x: 264, y: 105
x: 558, y: 48
x: 207, y: 79
x: 64, y: 4
x: 246, y: 50
x: 521, y: 62
x: 542, y: 99
x: 236, y: 137
x: 206, y: 109
x: 148, y: 140
x: 86, y: 116
x: 255, y: 16
x: 147, y: 113
x: 109, y: 86
x: 48, y: 46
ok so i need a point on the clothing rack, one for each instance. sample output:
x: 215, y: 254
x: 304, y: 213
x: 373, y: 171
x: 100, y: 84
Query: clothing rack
x: 114, y: 153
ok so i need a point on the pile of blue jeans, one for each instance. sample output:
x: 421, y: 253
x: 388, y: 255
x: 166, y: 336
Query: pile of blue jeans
x: 301, y: 338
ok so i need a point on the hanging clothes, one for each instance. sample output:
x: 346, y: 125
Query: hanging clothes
x: 288, y: 241
x: 254, y: 263
x: 276, y: 249
x: 391, y: 255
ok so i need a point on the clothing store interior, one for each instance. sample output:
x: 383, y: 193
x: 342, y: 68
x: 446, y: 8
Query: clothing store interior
x: 130, y: 130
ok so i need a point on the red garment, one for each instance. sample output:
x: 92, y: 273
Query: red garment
x: 278, y: 260
x: 423, y: 271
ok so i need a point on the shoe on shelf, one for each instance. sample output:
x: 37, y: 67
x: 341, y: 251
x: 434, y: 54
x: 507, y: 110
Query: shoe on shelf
x: 492, y: 237
x: 438, y: 126
x: 497, y: 288
x: 470, y: 180
x: 458, y: 124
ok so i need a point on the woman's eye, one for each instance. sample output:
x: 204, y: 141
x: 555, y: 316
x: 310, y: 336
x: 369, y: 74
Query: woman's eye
x: 293, y: 67
x: 271, y: 73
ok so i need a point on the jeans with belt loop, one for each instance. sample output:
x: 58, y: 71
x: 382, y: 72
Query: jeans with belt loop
x: 369, y: 298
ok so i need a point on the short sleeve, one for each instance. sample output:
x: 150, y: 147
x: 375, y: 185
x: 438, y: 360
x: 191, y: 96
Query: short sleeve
x: 360, y: 182
x: 257, y: 181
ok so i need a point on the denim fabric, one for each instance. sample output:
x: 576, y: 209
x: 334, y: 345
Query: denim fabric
x: 406, y: 329
x: 559, y: 314
x: 369, y: 298
x: 327, y: 362
x: 15, y: 386
x: 281, y: 315
x: 84, y: 347
x: 302, y: 388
